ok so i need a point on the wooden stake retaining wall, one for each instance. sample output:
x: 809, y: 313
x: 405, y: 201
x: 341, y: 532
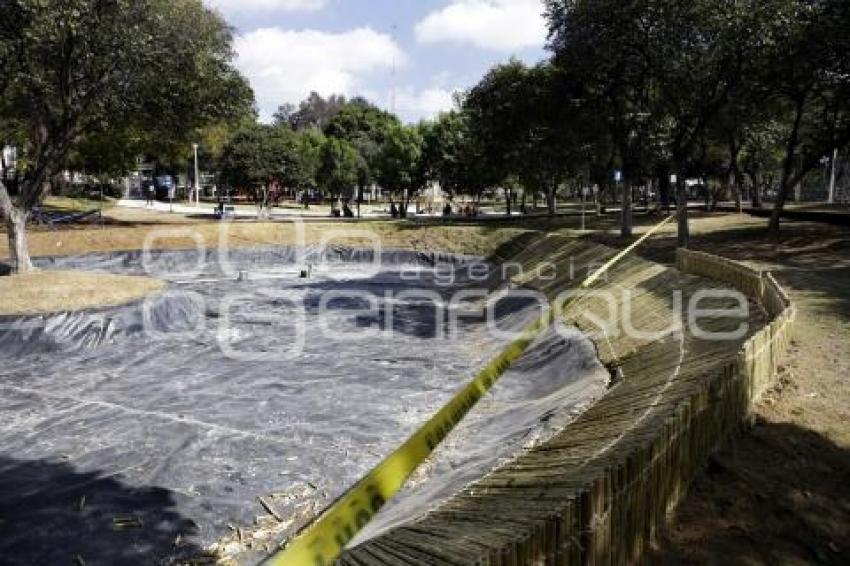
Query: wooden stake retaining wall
x: 596, y: 493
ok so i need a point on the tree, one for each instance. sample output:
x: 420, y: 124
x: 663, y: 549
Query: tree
x: 309, y: 146
x: 610, y: 47
x: 400, y: 164
x: 313, y: 112
x: 531, y: 124
x: 264, y: 158
x: 662, y: 71
x: 561, y: 132
x: 359, y: 118
x: 706, y: 51
x: 110, y: 155
x: 367, y: 128
x: 213, y: 137
x: 73, y: 69
x: 454, y: 157
x: 443, y: 142
x: 338, y: 168
x: 498, y: 127
x: 807, y: 71
x: 761, y: 155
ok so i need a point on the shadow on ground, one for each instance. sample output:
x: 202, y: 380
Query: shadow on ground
x: 779, y: 494
x: 53, y: 514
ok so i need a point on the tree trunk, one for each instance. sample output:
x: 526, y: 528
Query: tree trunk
x: 627, y: 219
x: 736, y: 189
x: 779, y: 205
x: 787, y: 170
x: 755, y: 178
x: 550, y: 200
x: 682, y: 209
x: 402, y: 211
x: 359, y: 198
x: 735, y: 173
x: 508, y: 195
x: 16, y: 226
x: 16, y: 230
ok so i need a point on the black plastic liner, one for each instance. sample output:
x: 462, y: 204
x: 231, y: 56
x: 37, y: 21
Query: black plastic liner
x: 130, y: 435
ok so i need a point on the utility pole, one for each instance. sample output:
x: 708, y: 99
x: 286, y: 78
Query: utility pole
x: 393, y: 86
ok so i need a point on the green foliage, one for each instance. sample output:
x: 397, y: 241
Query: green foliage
x: 260, y: 155
x: 530, y: 123
x: 367, y: 128
x: 313, y: 112
x: 445, y: 146
x: 310, y: 145
x: 454, y: 156
x: 678, y: 81
x: 111, y: 155
x: 400, y: 162
x: 338, y: 166
x: 79, y: 70
x: 359, y: 119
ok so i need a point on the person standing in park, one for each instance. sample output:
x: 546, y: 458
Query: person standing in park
x: 151, y: 192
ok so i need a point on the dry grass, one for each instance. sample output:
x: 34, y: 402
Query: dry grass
x: 61, y: 291
x: 177, y: 232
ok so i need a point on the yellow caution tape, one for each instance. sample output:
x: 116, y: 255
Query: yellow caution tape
x: 321, y: 542
x: 617, y: 258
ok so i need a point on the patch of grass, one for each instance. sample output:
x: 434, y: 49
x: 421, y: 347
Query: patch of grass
x: 61, y: 291
x: 71, y: 205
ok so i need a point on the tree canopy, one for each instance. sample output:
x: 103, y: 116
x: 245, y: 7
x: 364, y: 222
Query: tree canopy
x: 742, y: 95
x: 76, y: 69
x: 400, y: 165
x: 675, y: 79
x: 338, y: 166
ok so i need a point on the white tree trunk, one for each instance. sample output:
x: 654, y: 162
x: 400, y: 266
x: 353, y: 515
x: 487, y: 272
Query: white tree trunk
x: 16, y: 226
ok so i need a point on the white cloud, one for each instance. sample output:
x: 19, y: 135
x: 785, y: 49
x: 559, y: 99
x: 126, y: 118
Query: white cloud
x: 236, y: 7
x: 285, y: 65
x: 499, y: 25
x: 426, y: 104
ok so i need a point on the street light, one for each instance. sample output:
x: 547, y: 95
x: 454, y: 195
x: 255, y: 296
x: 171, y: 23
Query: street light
x: 197, y: 188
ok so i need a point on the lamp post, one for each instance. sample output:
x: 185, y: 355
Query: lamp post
x: 197, y: 187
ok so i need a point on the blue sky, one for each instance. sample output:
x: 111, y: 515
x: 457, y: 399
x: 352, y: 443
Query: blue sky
x: 287, y: 48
